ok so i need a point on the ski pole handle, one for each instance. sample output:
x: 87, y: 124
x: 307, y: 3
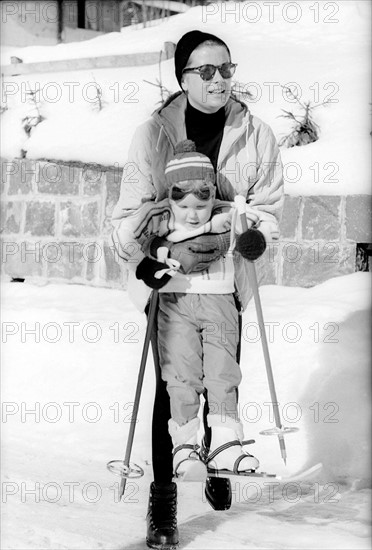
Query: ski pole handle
x: 162, y: 254
x: 172, y: 265
x: 240, y: 203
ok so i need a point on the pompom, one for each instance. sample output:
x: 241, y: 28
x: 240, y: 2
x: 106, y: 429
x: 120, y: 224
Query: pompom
x: 185, y: 146
x: 251, y: 244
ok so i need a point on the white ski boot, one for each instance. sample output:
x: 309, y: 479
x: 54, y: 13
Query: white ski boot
x: 226, y: 452
x: 186, y: 458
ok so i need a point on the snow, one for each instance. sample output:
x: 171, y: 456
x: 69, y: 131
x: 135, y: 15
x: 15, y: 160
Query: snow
x: 322, y: 49
x: 77, y: 371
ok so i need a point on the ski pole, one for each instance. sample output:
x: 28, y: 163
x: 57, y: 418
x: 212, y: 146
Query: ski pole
x: 252, y: 276
x: 124, y: 468
x: 141, y: 372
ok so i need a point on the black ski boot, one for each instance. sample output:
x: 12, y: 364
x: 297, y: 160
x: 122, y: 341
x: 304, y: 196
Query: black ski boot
x: 217, y: 489
x: 162, y: 532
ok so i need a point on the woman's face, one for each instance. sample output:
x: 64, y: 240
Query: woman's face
x: 207, y: 96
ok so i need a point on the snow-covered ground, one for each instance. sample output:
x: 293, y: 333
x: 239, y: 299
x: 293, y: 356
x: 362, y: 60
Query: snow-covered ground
x: 70, y: 354
x: 321, y: 50
x: 70, y: 358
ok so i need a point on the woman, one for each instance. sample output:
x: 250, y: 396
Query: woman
x: 246, y: 159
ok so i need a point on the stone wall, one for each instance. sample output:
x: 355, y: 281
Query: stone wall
x: 318, y: 241
x: 55, y: 222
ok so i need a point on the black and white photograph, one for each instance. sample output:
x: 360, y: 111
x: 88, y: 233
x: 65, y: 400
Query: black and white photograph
x: 185, y: 275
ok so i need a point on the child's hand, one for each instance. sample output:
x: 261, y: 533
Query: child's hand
x: 147, y: 270
x: 220, y: 223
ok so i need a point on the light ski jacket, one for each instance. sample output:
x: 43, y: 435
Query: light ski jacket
x: 248, y: 164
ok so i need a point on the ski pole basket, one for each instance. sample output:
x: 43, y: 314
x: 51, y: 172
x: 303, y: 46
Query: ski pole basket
x: 118, y: 468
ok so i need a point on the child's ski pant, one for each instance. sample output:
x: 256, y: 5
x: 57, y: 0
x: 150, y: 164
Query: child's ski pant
x: 198, y: 336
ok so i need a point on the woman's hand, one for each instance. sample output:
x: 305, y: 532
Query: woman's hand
x: 195, y: 254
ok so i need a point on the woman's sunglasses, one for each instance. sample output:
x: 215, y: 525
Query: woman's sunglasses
x: 178, y: 191
x: 207, y: 72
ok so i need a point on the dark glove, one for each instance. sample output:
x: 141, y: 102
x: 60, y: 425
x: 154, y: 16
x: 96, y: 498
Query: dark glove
x: 198, y: 253
x: 194, y: 254
x: 146, y: 270
x: 153, y: 243
x: 251, y: 244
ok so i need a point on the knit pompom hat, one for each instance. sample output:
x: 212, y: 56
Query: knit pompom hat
x: 187, y: 44
x: 188, y: 165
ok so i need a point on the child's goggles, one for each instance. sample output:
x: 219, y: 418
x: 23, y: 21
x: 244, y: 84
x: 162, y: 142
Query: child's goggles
x: 179, y: 190
x: 207, y: 72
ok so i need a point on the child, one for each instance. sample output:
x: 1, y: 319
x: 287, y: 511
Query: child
x: 198, y: 330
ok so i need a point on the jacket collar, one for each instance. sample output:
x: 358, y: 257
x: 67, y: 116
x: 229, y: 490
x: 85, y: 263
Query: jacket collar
x: 171, y: 118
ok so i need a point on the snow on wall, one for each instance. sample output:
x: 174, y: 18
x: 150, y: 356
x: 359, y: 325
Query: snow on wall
x: 286, y: 44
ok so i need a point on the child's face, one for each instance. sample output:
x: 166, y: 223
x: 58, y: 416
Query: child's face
x: 192, y: 212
